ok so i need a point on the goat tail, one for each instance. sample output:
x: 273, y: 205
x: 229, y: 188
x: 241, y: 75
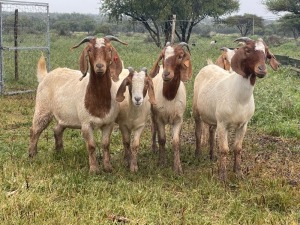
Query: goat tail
x: 41, y: 69
x: 209, y: 62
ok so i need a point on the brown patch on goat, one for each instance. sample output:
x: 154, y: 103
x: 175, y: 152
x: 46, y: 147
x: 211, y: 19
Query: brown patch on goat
x: 98, y: 97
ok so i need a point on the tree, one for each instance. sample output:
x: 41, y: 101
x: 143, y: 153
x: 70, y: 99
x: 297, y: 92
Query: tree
x: 244, y: 23
x: 291, y: 23
x: 290, y: 6
x: 291, y: 20
x: 155, y: 15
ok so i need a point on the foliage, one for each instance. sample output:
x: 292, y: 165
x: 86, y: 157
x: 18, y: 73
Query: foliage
x: 74, y: 22
x: 244, y: 23
x: 188, y: 14
x: 276, y: 6
x: 291, y: 23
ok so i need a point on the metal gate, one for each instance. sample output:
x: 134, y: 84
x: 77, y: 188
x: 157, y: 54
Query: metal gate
x: 24, y: 36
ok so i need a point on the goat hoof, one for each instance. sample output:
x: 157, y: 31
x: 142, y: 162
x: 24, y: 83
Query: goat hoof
x: 178, y: 170
x: 94, y: 170
x: 108, y: 168
x: 133, y: 168
x: 32, y: 154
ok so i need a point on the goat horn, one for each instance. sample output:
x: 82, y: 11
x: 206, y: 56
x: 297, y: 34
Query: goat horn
x: 113, y: 38
x: 131, y: 70
x: 144, y: 69
x: 244, y: 39
x: 224, y: 49
x: 86, y: 39
x: 185, y: 44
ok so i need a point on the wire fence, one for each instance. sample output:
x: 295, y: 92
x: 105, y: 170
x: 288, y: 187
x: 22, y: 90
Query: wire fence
x: 24, y: 33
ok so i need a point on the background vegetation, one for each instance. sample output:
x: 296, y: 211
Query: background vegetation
x: 57, y: 189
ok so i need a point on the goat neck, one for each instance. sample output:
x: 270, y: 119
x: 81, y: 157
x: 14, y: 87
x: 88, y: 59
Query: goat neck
x: 98, y: 95
x: 170, y: 88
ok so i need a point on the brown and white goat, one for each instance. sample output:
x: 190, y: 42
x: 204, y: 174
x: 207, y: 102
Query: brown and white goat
x: 225, y: 100
x: 85, y: 104
x: 170, y: 96
x: 134, y: 111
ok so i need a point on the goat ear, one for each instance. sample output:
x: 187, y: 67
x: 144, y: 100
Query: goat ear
x: 116, y: 65
x: 155, y: 68
x: 84, y: 62
x: 274, y: 63
x: 186, y: 68
x: 151, y: 94
x: 220, y: 62
x: 120, y: 93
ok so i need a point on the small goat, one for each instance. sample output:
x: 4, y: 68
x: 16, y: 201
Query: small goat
x: 85, y: 104
x: 170, y: 96
x: 134, y: 111
x: 224, y: 60
x: 225, y: 100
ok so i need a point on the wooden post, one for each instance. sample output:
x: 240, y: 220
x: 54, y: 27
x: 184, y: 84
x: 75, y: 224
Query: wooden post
x: 173, y: 29
x: 16, y: 44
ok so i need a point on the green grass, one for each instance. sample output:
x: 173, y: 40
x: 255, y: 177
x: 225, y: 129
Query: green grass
x: 57, y: 188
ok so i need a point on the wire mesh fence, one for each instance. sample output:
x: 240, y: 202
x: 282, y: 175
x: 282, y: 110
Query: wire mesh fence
x: 24, y: 34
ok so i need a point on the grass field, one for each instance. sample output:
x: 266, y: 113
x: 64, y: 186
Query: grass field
x: 57, y: 188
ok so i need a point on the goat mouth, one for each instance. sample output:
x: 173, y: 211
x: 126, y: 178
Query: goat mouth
x: 138, y: 103
x: 167, y: 78
x: 261, y: 74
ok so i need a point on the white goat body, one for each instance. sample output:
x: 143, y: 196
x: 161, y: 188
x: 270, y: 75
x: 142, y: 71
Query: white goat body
x: 225, y: 99
x: 74, y: 102
x: 134, y: 110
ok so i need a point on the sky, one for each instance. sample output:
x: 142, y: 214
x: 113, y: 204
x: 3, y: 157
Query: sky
x: 92, y: 7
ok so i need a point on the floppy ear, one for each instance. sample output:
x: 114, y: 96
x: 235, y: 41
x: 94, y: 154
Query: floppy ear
x: 116, y: 65
x: 186, y: 68
x: 84, y: 62
x: 220, y: 61
x: 274, y: 63
x: 120, y: 93
x: 155, y: 68
x: 151, y: 91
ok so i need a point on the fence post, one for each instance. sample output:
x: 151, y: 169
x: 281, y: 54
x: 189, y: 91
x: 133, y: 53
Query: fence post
x: 173, y: 29
x: 1, y: 52
x: 16, y: 44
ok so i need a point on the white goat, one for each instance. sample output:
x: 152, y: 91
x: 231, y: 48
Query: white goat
x: 225, y: 100
x: 85, y: 104
x: 170, y: 96
x: 134, y: 111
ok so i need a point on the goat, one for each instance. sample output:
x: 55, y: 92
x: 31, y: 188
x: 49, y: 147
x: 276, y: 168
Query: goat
x: 225, y: 100
x: 213, y: 42
x: 224, y: 60
x: 134, y: 111
x: 170, y: 96
x: 85, y: 104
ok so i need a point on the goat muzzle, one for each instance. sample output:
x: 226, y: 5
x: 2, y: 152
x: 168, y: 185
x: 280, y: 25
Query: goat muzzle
x: 261, y: 71
x: 166, y: 75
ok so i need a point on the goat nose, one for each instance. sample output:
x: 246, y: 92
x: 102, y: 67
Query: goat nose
x: 166, y: 73
x: 99, y: 65
x: 137, y: 98
x: 261, y: 67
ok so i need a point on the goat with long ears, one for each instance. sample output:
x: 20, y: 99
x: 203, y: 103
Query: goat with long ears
x: 224, y: 100
x: 85, y: 104
x: 170, y: 95
x: 134, y: 111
